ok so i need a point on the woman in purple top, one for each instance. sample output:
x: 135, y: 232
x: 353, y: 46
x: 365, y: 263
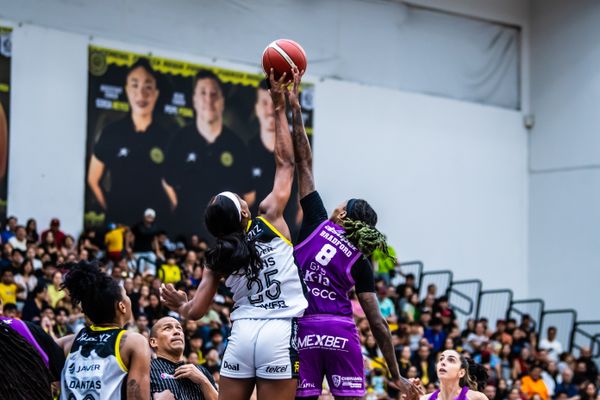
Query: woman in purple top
x: 460, y: 378
x: 331, y: 255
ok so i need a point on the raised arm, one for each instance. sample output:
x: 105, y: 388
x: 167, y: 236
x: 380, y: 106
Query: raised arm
x: 273, y: 205
x: 302, y: 150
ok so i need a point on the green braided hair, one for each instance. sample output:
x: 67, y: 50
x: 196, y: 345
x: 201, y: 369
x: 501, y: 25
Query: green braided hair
x: 359, y: 224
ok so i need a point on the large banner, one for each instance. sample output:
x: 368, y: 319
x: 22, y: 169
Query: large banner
x: 168, y: 135
x: 5, y: 55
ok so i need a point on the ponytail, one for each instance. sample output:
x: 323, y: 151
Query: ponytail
x: 476, y: 376
x: 367, y: 238
x: 234, y: 252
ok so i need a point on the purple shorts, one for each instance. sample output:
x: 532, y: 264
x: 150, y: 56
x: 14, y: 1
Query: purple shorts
x: 329, y: 346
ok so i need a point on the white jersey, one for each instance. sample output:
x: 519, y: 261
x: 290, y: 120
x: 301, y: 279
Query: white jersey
x: 94, y: 369
x: 278, y: 291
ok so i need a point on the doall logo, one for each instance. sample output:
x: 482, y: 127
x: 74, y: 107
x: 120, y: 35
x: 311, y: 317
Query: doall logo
x: 231, y: 367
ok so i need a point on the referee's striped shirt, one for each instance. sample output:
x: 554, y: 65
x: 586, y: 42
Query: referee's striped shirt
x: 162, y: 378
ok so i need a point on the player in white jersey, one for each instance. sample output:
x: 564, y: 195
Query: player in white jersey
x: 255, y: 257
x: 104, y: 361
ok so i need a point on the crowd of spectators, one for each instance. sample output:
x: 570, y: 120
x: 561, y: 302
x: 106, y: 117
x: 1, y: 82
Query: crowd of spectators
x: 521, y: 365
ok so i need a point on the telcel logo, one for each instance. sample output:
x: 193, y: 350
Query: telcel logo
x: 276, y: 369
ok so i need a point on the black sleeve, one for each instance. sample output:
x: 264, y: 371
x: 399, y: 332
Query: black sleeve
x: 56, y: 357
x: 104, y: 145
x: 362, y: 273
x: 314, y: 214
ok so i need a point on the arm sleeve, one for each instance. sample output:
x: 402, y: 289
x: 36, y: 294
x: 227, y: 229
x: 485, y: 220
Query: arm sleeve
x: 314, y: 214
x: 362, y: 273
x: 56, y: 357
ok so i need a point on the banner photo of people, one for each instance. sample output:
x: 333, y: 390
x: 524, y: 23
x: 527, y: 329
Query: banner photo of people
x: 5, y: 56
x: 164, y: 136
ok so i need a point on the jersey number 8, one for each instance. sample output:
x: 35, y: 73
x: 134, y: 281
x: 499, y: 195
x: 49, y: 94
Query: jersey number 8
x: 326, y: 254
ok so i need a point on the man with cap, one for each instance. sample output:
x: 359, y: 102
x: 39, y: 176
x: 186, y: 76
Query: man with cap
x: 145, y: 236
x: 170, y: 376
x: 59, y: 236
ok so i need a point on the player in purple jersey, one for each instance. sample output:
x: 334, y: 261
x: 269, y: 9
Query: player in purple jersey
x: 460, y: 378
x: 332, y: 257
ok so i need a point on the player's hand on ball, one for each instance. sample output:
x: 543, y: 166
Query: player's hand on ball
x: 277, y: 89
x: 292, y: 94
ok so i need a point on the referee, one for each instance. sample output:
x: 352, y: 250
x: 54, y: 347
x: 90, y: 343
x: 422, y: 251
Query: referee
x: 170, y: 377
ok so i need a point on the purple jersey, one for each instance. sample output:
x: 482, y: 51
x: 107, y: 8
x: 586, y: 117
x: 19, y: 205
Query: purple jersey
x: 325, y: 259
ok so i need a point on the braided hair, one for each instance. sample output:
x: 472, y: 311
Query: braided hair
x: 234, y: 252
x: 23, y: 374
x: 97, y: 292
x: 359, y: 225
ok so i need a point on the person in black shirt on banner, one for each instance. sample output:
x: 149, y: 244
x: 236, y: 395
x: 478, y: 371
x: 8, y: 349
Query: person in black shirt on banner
x: 132, y: 150
x: 170, y: 377
x: 262, y: 160
x: 204, y: 158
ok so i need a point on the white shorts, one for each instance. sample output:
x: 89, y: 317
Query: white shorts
x: 263, y: 348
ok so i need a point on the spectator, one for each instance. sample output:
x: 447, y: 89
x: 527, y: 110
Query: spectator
x: 404, y: 362
x: 552, y: 346
x: 435, y: 335
x: 19, y: 240
x: 55, y: 293
x: 8, y: 288
x: 61, y: 328
x: 31, y: 256
x: 490, y: 392
x: 145, y: 233
x: 187, y: 381
x: 477, y: 340
x: 37, y: 302
x: 522, y: 363
x: 59, y: 236
x: 169, y: 271
x: 591, y: 367
x: 567, y: 386
x: 589, y: 392
x: 49, y: 246
x: 425, y: 365
x: 26, y: 279
x: 534, y: 384
x: 31, y: 229
x: 9, y: 229
x: 409, y: 281
x: 114, y: 240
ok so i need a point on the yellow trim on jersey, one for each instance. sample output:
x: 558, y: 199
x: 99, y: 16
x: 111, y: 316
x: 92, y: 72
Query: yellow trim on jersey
x: 118, y: 352
x: 103, y: 328
x: 275, y: 230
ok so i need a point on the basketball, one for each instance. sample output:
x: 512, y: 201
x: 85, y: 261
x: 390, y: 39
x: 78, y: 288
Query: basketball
x: 282, y: 55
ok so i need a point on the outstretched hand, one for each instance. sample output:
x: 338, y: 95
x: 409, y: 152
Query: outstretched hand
x: 411, y: 389
x: 292, y: 94
x: 277, y: 89
x: 172, y: 298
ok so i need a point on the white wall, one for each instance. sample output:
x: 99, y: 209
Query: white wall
x: 447, y: 178
x: 565, y: 155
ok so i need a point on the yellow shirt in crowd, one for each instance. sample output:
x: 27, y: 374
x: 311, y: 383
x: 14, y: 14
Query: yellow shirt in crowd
x: 8, y: 293
x: 114, y: 240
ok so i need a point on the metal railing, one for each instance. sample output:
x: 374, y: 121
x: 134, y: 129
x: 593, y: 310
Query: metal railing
x: 468, y: 300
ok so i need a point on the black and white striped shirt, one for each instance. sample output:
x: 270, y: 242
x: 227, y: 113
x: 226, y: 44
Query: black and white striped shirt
x: 162, y: 378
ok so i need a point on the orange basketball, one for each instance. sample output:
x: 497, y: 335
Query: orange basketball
x: 282, y: 55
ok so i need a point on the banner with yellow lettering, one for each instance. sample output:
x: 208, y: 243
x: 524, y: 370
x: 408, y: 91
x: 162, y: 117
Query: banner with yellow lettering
x: 5, y: 56
x: 167, y: 135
